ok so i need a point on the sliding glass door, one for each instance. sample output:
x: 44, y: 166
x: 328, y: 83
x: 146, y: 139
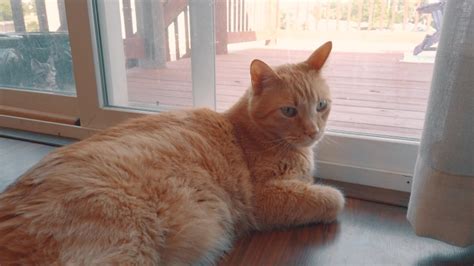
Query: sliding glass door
x: 36, y: 68
x: 131, y: 57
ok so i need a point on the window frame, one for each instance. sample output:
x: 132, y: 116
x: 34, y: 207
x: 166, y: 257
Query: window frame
x: 42, y: 102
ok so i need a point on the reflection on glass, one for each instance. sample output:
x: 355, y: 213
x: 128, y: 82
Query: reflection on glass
x: 35, y: 53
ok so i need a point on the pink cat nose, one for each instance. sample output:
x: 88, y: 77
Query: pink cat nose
x: 312, y: 133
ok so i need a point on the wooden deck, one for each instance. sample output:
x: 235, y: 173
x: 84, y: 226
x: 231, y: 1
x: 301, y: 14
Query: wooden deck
x: 373, y: 93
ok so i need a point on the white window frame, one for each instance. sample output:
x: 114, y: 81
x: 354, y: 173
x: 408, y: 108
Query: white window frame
x: 38, y: 102
x: 366, y: 160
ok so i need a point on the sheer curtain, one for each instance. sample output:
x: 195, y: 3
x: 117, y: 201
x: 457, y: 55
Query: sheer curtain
x: 442, y: 198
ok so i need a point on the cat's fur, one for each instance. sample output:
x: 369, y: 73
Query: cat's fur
x: 177, y: 188
x: 19, y: 71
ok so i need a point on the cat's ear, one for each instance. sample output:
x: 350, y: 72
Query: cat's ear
x: 319, y: 57
x: 261, y: 75
x: 50, y: 60
x: 35, y: 63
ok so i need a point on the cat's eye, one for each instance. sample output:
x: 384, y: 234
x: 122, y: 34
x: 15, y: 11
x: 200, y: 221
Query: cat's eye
x: 289, y: 111
x: 322, y: 105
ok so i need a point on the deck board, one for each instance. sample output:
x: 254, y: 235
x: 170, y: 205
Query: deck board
x: 373, y: 93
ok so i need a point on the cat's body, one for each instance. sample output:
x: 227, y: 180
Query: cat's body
x: 175, y: 188
x: 176, y: 207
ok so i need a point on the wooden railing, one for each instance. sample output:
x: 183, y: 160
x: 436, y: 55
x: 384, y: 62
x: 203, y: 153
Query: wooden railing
x: 162, y: 31
x: 236, y: 21
x: 355, y: 15
x: 163, y: 34
x: 43, y: 25
x: 174, y: 10
x: 250, y: 20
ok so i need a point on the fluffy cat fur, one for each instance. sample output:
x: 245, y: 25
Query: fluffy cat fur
x: 177, y: 188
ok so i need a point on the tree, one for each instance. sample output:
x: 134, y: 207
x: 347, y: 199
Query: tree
x: 29, y: 7
x: 5, y: 10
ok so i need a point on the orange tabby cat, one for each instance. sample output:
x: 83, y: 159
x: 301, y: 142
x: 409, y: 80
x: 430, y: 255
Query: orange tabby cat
x: 177, y: 188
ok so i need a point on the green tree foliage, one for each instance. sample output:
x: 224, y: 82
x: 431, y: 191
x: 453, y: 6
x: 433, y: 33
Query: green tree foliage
x: 29, y: 7
x: 5, y: 10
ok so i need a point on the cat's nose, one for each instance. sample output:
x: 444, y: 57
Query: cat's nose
x: 312, y: 132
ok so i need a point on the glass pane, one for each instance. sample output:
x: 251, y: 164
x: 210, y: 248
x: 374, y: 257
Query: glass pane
x: 34, y: 46
x: 146, y: 53
x: 380, y: 69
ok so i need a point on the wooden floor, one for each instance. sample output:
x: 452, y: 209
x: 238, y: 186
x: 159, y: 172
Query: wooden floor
x: 373, y: 93
x: 367, y: 233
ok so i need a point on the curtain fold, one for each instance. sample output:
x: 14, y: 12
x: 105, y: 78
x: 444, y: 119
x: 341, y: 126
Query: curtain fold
x: 442, y: 197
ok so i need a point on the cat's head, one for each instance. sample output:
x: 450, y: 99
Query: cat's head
x: 44, y: 74
x: 291, y: 102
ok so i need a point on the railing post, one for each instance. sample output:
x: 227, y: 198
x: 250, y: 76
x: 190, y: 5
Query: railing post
x: 338, y: 14
x: 359, y: 13
x: 62, y: 16
x: 382, y: 14
x: 417, y: 15
x: 394, y: 13
x: 42, y: 17
x: 272, y: 21
x: 317, y: 15
x: 151, y: 27
x: 176, y: 38
x: 127, y: 18
x: 221, y: 26
x: 186, y: 32
x: 370, y: 23
x: 406, y: 6
x: 349, y: 15
x: 17, y: 13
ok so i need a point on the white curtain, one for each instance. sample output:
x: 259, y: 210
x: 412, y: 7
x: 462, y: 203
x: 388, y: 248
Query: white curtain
x: 442, y: 198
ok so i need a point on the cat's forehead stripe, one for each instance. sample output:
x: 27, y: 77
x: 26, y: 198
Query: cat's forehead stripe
x: 299, y: 81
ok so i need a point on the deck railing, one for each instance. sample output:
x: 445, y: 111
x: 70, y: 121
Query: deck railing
x: 359, y: 14
x: 18, y: 16
x: 150, y: 25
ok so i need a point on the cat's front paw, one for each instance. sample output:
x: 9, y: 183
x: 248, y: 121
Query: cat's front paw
x: 333, y: 204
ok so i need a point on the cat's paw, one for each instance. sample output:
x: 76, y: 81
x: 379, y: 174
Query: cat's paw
x: 333, y: 204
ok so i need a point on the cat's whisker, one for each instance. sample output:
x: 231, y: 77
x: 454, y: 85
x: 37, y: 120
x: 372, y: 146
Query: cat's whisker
x: 329, y: 141
x: 277, y: 146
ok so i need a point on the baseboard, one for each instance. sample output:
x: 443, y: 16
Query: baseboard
x: 35, y: 137
x: 364, y: 176
x: 375, y: 194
